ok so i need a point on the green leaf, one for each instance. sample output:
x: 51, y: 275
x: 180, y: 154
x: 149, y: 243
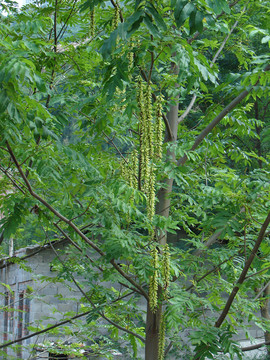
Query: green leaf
x: 178, y: 8
x: 158, y: 18
x: 196, y: 21
x: 184, y: 13
x: 90, y: 4
x: 151, y: 27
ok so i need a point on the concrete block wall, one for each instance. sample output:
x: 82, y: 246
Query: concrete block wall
x: 48, y: 301
x: 45, y: 307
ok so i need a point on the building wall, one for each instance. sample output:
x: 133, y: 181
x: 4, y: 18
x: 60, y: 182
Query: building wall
x: 31, y: 300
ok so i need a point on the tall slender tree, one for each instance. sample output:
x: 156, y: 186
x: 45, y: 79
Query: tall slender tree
x: 122, y: 123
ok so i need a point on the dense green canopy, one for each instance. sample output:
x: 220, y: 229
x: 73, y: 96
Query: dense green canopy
x: 139, y: 131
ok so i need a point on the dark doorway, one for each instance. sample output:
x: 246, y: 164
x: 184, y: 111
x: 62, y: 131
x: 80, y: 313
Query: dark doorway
x: 57, y: 356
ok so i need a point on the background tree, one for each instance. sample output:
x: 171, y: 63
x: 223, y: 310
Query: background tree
x: 121, y: 122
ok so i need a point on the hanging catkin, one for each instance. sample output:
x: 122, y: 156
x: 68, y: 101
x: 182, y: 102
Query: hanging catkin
x: 159, y: 126
x: 166, y: 269
x: 116, y: 18
x: 92, y: 23
x: 144, y: 153
x: 153, y: 287
x: 151, y: 193
x: 161, y: 339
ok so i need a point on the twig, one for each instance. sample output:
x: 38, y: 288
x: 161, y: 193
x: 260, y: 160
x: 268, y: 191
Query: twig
x: 107, y: 137
x: 261, y: 291
x: 210, y: 271
x: 65, y: 23
x: 11, y: 179
x: 76, y: 245
x: 254, y: 347
x: 72, y: 225
x: 192, y: 102
x: 93, y: 304
x: 218, y: 118
x: 258, y: 272
x: 52, y: 327
x: 244, y: 272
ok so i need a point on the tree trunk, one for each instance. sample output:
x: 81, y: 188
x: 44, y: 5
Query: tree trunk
x: 162, y: 208
x: 152, y: 333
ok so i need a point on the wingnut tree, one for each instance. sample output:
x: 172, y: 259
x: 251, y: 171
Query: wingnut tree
x: 138, y: 131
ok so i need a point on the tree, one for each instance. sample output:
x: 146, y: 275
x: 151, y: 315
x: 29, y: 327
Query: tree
x: 122, y: 123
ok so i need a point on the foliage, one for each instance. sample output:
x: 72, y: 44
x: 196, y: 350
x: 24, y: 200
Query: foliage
x: 84, y: 87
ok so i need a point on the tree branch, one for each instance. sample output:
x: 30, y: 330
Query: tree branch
x: 101, y: 314
x: 192, y: 102
x: 244, y: 272
x: 72, y: 225
x: 218, y: 118
x: 76, y: 246
x: 65, y: 23
x: 43, y: 330
x: 254, y: 347
x: 258, y: 272
x: 210, y: 272
x: 52, y: 327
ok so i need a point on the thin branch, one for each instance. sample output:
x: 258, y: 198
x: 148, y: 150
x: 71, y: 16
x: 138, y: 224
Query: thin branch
x: 53, y: 326
x: 192, y: 102
x: 84, y: 212
x: 11, y: 260
x: 197, y: 34
x: 226, y: 39
x: 93, y: 304
x: 65, y: 23
x: 258, y: 272
x: 43, y: 330
x: 11, y: 179
x: 215, y: 268
x: 254, y: 347
x: 209, y: 242
x: 72, y: 225
x: 261, y: 291
x: 188, y: 109
x: 244, y: 272
x: 168, y: 348
x: 76, y: 245
x: 108, y: 138
x: 218, y: 118
x: 129, y: 287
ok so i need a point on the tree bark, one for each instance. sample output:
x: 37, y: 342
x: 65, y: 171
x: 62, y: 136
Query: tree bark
x: 163, y: 208
x: 152, y: 333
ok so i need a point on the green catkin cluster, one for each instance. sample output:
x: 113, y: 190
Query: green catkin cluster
x: 130, y: 60
x: 124, y: 170
x: 159, y: 127
x: 144, y: 153
x: 151, y: 193
x: 129, y: 169
x: 153, y: 287
x: 134, y: 166
x: 161, y: 339
x: 116, y: 18
x: 149, y: 123
x: 92, y: 23
x: 147, y: 142
x: 166, y: 269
